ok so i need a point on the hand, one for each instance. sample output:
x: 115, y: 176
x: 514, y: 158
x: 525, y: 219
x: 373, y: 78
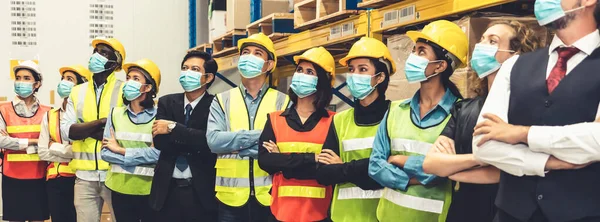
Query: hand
x: 495, y: 128
x: 112, y: 144
x: 271, y: 147
x: 444, y: 144
x: 160, y: 127
x: 101, y: 122
x: 32, y: 142
x: 597, y: 120
x: 398, y: 160
x: 98, y: 134
x: 3, y: 133
x: 554, y: 163
x: 327, y: 156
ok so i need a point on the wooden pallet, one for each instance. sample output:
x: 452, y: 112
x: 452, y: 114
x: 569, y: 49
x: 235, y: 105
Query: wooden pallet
x: 276, y: 26
x: 227, y: 43
x: 206, y: 47
x: 311, y: 13
x: 376, y: 3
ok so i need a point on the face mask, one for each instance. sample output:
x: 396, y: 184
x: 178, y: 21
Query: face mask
x: 547, y: 11
x: 131, y: 90
x: 360, y: 85
x: 64, y: 88
x: 97, y: 63
x: 190, y: 80
x: 483, y: 60
x: 250, y: 66
x: 24, y: 89
x: 304, y: 85
x: 414, y: 69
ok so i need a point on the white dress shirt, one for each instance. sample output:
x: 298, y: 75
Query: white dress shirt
x: 57, y: 152
x: 12, y: 143
x: 185, y: 174
x: 578, y: 143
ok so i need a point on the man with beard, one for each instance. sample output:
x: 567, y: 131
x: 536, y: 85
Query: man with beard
x: 549, y: 147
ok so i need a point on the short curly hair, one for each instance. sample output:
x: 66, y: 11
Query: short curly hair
x: 524, y: 40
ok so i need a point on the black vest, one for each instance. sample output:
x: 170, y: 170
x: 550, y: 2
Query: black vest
x: 562, y: 195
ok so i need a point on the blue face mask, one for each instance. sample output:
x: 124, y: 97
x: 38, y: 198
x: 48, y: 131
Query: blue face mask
x: 24, y: 89
x: 304, y: 85
x: 64, y: 88
x: 547, y: 11
x: 190, y: 80
x: 414, y: 69
x: 483, y: 60
x: 131, y: 90
x: 97, y: 63
x: 360, y: 85
x: 250, y: 66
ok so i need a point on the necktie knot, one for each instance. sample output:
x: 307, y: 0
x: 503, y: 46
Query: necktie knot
x: 565, y: 53
x: 188, y: 108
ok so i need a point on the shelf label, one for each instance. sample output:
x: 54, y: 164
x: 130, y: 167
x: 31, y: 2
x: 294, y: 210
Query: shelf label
x: 397, y: 16
x: 407, y: 14
x: 335, y: 32
x: 348, y: 29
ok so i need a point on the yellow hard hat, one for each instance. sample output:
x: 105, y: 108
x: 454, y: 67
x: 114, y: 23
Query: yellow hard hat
x: 259, y: 39
x: 79, y: 69
x: 148, y: 66
x: 321, y: 57
x: 370, y: 48
x: 447, y: 35
x: 115, y: 44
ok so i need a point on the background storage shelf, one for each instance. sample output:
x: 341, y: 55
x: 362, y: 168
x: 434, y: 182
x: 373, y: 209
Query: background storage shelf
x: 227, y: 44
x: 376, y: 3
x: 311, y: 13
x: 276, y: 26
x: 206, y: 47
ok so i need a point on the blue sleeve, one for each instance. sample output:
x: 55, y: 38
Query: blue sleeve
x: 250, y: 152
x: 386, y: 174
x: 111, y: 157
x: 141, y: 156
x: 109, y: 126
x: 220, y: 140
x: 414, y: 168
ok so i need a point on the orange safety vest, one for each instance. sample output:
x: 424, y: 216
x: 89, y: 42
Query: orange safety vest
x: 294, y: 199
x: 19, y: 164
x: 57, y: 169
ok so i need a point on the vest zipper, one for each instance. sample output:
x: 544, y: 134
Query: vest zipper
x: 57, y: 170
x: 98, y: 101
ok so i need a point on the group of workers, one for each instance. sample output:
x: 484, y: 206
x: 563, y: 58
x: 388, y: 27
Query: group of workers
x: 252, y: 153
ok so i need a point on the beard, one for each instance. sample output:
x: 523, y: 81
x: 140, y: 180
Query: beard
x: 564, y: 22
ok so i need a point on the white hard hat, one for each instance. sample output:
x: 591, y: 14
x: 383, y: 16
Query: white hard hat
x: 30, y: 65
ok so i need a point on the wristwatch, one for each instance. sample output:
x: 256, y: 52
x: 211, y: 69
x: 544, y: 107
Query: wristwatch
x: 171, y: 126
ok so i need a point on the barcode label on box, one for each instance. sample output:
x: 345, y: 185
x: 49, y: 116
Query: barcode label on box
x: 407, y: 14
x: 348, y: 29
x: 335, y: 32
x: 390, y: 18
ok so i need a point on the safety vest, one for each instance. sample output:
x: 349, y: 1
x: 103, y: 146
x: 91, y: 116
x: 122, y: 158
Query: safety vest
x: 19, y: 164
x: 135, y: 180
x: 294, y: 199
x: 57, y: 169
x: 418, y: 202
x: 86, y: 152
x: 350, y: 202
x: 234, y: 182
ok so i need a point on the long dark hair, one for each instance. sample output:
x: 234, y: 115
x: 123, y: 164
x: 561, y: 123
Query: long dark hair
x: 442, y: 54
x: 381, y: 67
x: 323, y: 94
x: 148, y: 102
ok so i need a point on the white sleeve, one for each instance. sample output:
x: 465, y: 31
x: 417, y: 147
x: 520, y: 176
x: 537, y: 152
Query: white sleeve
x: 517, y: 159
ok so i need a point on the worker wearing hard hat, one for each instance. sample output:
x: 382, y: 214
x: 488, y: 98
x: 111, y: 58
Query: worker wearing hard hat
x: 54, y: 146
x: 410, y: 127
x: 87, y: 108
x: 345, y: 158
x: 128, y: 146
x: 235, y: 123
x: 292, y: 140
x: 24, y: 195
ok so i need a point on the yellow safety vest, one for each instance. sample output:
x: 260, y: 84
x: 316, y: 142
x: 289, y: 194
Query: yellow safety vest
x: 350, y: 202
x: 57, y: 169
x: 135, y: 180
x: 418, y: 202
x: 234, y: 181
x: 86, y: 152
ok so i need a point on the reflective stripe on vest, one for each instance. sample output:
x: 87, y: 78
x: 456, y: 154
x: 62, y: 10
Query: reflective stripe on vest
x: 233, y: 172
x: 133, y: 180
x: 295, y: 199
x: 351, y: 203
x: 418, y: 202
x: 86, y: 152
x: 56, y: 169
x: 19, y: 164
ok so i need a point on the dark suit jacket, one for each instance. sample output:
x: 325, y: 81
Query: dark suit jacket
x: 189, y: 141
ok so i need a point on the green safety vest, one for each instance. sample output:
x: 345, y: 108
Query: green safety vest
x: 351, y: 203
x: 418, y: 202
x: 130, y: 180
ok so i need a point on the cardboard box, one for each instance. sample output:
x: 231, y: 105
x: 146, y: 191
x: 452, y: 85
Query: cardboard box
x: 217, y: 24
x: 238, y: 11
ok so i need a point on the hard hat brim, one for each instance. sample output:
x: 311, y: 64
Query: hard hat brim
x: 414, y: 36
x: 26, y: 67
x: 95, y: 43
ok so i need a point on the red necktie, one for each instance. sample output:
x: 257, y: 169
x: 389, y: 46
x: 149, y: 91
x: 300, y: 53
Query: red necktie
x: 560, y: 69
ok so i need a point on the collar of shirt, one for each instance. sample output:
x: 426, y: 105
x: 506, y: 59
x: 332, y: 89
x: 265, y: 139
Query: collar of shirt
x: 445, y: 103
x: 262, y: 91
x: 295, y: 123
x: 150, y: 111
x: 587, y: 44
x: 193, y: 103
x: 21, y: 107
x: 371, y: 114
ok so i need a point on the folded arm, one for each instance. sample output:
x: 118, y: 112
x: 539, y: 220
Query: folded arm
x: 220, y: 140
x: 45, y: 145
x: 480, y: 175
x: 11, y: 143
